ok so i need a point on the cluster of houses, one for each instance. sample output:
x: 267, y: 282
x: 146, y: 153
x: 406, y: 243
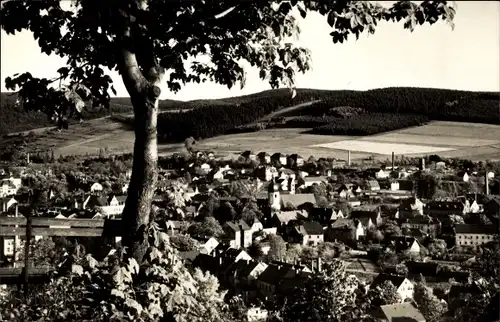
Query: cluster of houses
x: 284, y: 195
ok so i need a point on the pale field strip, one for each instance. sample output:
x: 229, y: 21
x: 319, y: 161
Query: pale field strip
x: 431, y: 140
x: 382, y: 148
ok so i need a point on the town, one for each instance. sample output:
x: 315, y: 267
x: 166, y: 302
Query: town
x: 264, y: 223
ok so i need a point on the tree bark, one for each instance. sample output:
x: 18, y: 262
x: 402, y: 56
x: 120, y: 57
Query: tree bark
x: 144, y: 94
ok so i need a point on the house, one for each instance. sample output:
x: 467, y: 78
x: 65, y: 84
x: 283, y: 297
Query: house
x: 394, y: 185
x: 204, y: 168
x: 372, y: 185
x: 245, y: 272
x: 404, y: 243
x: 294, y: 160
x: 7, y: 188
x: 59, y: 216
x: 409, y: 206
x: 284, y: 217
x: 310, y: 180
x: 474, y: 235
x: 311, y: 233
x: 403, y: 286
x: 239, y: 233
x: 270, y: 281
x: 345, y: 230
x: 426, y: 224
x: 325, y: 216
x: 264, y: 157
x: 382, y: 174
x: 400, y: 312
x: 367, y: 217
x: 440, y: 208
x: 112, y: 206
x: 95, y: 187
x: 266, y: 173
x: 206, y: 244
x: 279, y: 158
x: 354, y: 202
x: 256, y: 226
x: 472, y: 207
x: 492, y: 207
x: 249, y: 155
x: 6, y: 203
x: 257, y: 314
x: 173, y: 226
x: 464, y: 176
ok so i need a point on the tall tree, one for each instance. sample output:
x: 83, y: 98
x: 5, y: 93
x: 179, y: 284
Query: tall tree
x: 146, y: 39
x: 327, y: 296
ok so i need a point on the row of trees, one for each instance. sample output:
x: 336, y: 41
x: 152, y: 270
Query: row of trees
x: 371, y: 123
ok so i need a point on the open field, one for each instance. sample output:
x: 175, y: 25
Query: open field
x: 466, y: 140
x: 382, y: 148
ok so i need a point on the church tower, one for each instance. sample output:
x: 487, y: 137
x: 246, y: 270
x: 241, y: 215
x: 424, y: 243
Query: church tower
x: 274, y: 196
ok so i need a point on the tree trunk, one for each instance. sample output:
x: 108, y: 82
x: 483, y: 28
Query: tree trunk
x: 136, y: 215
x: 144, y: 94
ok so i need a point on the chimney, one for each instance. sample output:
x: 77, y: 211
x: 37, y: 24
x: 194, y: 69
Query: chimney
x: 349, y: 158
x: 319, y: 265
x: 487, y: 184
x: 312, y: 265
x: 392, y: 161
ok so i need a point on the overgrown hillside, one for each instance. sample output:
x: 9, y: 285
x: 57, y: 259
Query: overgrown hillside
x: 16, y: 119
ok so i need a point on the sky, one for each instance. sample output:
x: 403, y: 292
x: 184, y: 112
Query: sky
x: 466, y: 58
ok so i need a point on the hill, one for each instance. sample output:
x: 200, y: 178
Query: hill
x: 313, y: 108
x: 408, y: 106
x: 16, y: 119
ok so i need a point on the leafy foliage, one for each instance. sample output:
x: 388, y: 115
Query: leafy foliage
x: 166, y: 36
x: 119, y: 289
x: 328, y: 296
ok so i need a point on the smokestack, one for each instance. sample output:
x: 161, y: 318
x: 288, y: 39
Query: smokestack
x: 349, y: 158
x: 392, y: 161
x: 487, y: 184
x: 422, y: 164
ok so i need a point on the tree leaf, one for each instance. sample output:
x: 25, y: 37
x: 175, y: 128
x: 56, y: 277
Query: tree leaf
x: 92, y: 262
x: 133, y: 265
x: 117, y: 293
x: 77, y: 269
x: 133, y: 304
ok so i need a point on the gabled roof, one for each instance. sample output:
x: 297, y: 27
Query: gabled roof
x: 97, y: 201
x: 263, y: 154
x: 238, y: 225
x: 343, y: 223
x: 315, y: 179
x: 364, y: 214
x: 273, y: 274
x: 421, y: 220
x: 396, y: 280
x: 311, y: 228
x: 475, y: 229
x: 403, y: 242
x: 285, y: 216
x: 298, y: 199
x: 401, y: 312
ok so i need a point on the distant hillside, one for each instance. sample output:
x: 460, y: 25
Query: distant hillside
x: 412, y: 106
x: 16, y: 119
x: 211, y: 117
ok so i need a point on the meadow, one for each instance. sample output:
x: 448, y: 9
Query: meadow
x: 451, y: 139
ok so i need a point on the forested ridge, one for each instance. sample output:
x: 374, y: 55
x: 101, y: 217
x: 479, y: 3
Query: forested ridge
x: 212, y: 117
